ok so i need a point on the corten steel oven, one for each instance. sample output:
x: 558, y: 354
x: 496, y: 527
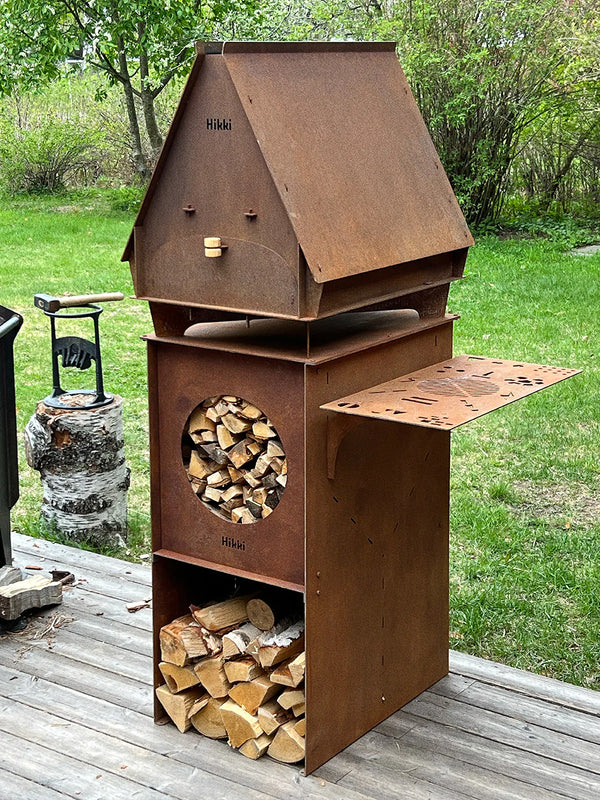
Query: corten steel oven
x: 296, y: 246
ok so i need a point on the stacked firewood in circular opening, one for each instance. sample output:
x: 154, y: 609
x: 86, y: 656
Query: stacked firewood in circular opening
x: 228, y: 678
x: 234, y: 459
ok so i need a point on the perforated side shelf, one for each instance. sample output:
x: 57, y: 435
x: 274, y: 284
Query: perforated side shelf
x: 451, y: 393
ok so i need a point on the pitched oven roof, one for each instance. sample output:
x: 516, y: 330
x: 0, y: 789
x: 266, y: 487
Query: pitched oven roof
x: 347, y: 149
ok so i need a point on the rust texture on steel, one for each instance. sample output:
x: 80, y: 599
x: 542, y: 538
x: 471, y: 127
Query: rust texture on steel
x: 376, y: 551
x: 258, y: 273
x: 323, y: 200
x: 334, y: 534
x: 350, y: 155
x: 329, y: 338
x: 451, y: 393
x: 183, y: 377
x: 310, y: 165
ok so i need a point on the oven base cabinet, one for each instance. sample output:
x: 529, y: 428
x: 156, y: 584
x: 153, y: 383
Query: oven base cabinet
x: 361, y: 529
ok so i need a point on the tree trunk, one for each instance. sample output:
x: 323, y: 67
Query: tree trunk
x: 154, y: 134
x: 562, y: 171
x: 139, y: 159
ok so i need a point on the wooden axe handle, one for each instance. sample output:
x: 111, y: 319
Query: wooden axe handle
x: 84, y: 299
x: 52, y: 304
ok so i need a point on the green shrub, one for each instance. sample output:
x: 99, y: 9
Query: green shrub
x: 48, y: 157
x: 127, y: 198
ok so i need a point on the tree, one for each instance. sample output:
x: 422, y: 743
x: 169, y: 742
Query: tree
x: 139, y: 45
x: 482, y: 72
x: 559, y: 159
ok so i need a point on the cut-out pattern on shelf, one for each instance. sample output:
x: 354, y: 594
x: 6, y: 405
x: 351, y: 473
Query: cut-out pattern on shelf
x: 452, y: 392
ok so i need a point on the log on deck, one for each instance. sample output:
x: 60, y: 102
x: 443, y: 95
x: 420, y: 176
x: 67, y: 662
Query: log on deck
x: 76, y: 705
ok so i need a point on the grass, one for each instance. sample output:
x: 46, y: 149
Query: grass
x: 525, y: 512
x: 73, y: 243
x: 525, y: 491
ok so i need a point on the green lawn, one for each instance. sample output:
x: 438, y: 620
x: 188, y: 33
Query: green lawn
x: 525, y: 572
x: 74, y: 244
x: 525, y: 491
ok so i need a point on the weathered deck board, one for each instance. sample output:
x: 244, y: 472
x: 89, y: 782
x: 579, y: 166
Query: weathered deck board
x: 35, y: 551
x: 128, y: 638
x: 526, y: 683
x: 527, y: 709
x: 499, y: 758
x: 73, y: 645
x: 505, y: 729
x: 75, y: 719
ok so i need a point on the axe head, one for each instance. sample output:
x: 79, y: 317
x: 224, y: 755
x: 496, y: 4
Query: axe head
x: 46, y: 302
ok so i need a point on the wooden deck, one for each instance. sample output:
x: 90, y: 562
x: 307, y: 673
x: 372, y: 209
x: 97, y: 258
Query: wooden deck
x: 75, y: 719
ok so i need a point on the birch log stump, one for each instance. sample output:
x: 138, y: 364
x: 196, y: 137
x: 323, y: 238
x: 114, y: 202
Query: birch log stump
x: 79, y: 455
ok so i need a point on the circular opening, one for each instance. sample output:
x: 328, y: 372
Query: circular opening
x: 234, y: 459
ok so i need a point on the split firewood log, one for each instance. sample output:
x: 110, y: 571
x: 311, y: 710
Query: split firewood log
x: 198, y: 485
x: 171, y: 646
x: 237, y: 641
x: 225, y: 614
x: 242, y: 669
x: 291, y: 672
x: 239, y: 724
x: 274, y: 449
x: 255, y: 748
x: 276, y: 647
x: 35, y: 592
x: 226, y: 438
x: 211, y: 675
x: 199, y: 467
x: 229, y: 505
x: 218, y: 479
x: 290, y: 698
x: 287, y: 745
x: 262, y: 430
x: 252, y: 694
x: 233, y: 492
x: 235, y: 476
x: 235, y: 424
x: 254, y: 448
x: 299, y: 710
x: 183, y: 641
x: 207, y: 720
x: 211, y: 493
x: 272, y: 716
x: 178, y: 678
x: 253, y: 645
x: 179, y: 705
x: 252, y: 479
x: 199, y: 421
x: 239, y: 454
x: 243, y: 515
x: 300, y: 726
x: 250, y: 412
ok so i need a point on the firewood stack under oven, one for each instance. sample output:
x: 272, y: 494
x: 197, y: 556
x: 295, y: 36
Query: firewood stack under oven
x: 296, y: 246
